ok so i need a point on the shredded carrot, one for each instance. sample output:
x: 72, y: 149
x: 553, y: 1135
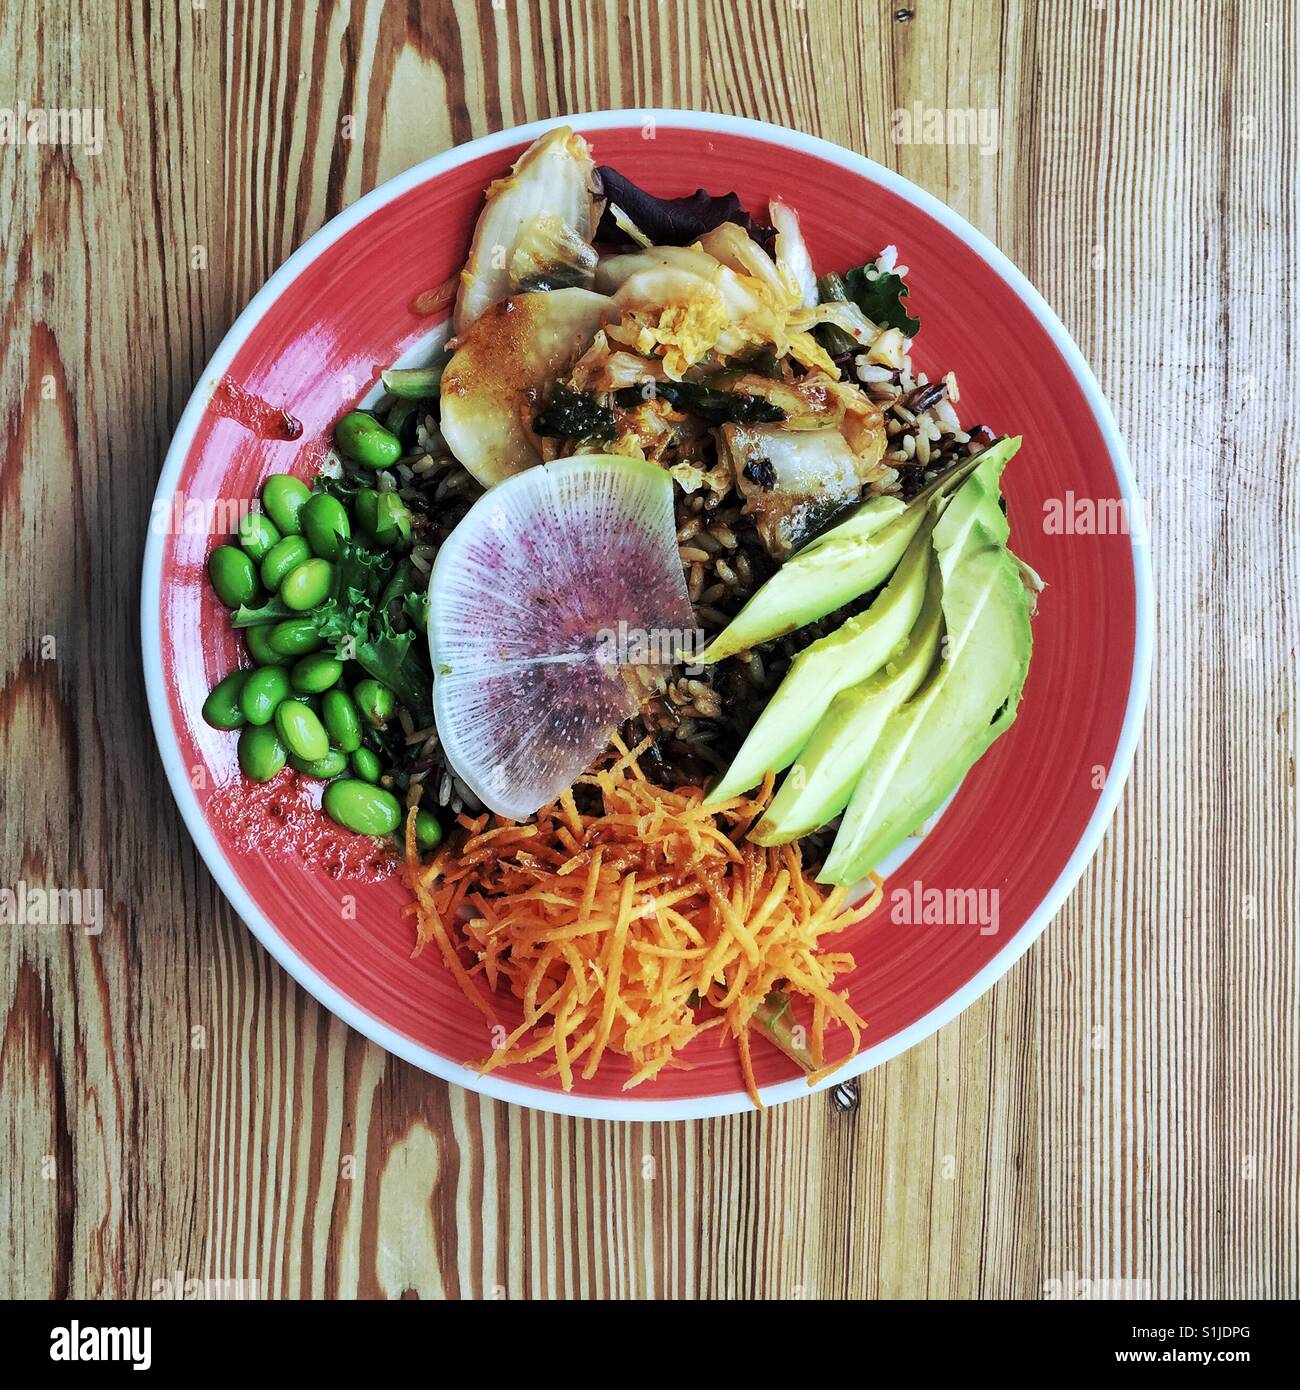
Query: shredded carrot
x: 636, y: 927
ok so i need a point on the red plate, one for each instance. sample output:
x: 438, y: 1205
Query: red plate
x: 1022, y: 826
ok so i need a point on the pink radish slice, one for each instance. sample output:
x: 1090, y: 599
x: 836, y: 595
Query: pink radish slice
x: 556, y: 578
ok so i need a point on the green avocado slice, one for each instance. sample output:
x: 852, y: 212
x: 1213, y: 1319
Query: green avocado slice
x: 928, y: 744
x: 979, y: 498
x: 844, y: 657
x: 822, y: 780
x: 846, y: 562
x: 819, y: 785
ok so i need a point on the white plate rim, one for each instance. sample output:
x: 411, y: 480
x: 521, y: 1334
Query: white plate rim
x: 500, y: 1088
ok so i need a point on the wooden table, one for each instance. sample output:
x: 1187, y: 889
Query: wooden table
x: 1121, y: 1106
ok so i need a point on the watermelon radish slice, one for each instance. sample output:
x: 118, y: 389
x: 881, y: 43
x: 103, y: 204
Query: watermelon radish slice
x: 527, y: 600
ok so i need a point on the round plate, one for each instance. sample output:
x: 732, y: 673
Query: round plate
x: 1025, y: 821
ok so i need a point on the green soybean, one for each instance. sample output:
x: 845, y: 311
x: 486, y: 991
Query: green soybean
x: 392, y: 519
x: 358, y: 806
x: 366, y: 764
x: 366, y: 504
x: 307, y: 585
x: 342, y: 719
x: 325, y: 522
x: 282, y: 558
x: 315, y: 673
x: 333, y: 763
x: 295, y: 637
x: 428, y: 833
x: 257, y: 534
x: 262, y: 693
x: 383, y: 515
x: 233, y: 576
x: 284, y: 497
x: 365, y: 441
x: 261, y: 754
x: 221, y: 708
x: 258, y: 641
x: 300, y: 731
x: 374, y: 700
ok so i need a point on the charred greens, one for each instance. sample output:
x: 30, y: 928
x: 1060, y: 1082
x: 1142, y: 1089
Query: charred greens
x: 575, y: 415
x: 707, y: 402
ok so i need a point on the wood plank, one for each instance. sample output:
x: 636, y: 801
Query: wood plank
x: 1120, y: 1107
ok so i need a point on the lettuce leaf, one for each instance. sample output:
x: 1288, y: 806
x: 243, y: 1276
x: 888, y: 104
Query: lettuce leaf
x: 673, y: 221
x: 881, y: 299
x: 354, y: 621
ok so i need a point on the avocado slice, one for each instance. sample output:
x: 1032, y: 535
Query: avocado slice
x: 818, y: 580
x: 844, y: 657
x: 968, y: 699
x: 979, y: 498
x: 865, y: 520
x: 844, y: 563
x: 819, y: 785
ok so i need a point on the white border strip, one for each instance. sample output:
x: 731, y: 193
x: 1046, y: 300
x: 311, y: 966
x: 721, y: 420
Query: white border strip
x: 558, y: 1102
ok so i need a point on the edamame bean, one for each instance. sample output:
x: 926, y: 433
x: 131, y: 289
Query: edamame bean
x: 300, y: 731
x: 359, y: 806
x: 307, y: 585
x: 315, y: 673
x: 334, y: 762
x: 342, y: 719
x: 261, y: 754
x: 282, y: 558
x: 257, y: 534
x: 428, y: 833
x: 383, y: 515
x: 392, y: 518
x: 366, y: 764
x: 366, y: 505
x: 295, y: 637
x: 375, y: 701
x: 284, y: 497
x: 258, y: 641
x: 233, y: 576
x: 325, y: 522
x: 365, y: 441
x: 262, y: 693
x: 221, y: 708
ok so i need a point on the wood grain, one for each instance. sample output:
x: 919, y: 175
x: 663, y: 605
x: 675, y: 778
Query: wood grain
x: 1121, y: 1106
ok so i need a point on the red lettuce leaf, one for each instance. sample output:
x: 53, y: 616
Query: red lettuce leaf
x: 673, y: 221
